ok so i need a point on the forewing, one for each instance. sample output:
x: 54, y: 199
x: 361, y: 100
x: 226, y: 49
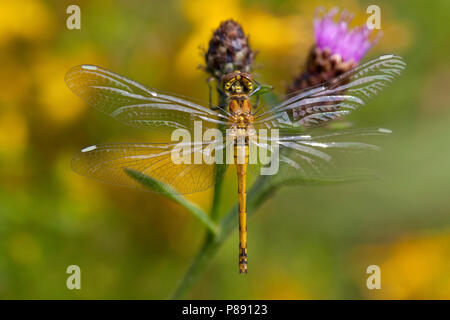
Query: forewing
x: 335, y: 98
x: 136, y: 105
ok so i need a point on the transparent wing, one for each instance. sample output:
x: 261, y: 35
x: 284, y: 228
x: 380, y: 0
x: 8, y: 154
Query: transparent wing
x: 335, y: 98
x: 322, y: 155
x: 136, y: 105
x: 107, y: 163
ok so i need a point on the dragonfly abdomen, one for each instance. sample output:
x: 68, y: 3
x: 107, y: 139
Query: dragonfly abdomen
x: 241, y: 161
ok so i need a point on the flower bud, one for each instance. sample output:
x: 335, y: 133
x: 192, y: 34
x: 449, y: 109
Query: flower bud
x: 228, y: 50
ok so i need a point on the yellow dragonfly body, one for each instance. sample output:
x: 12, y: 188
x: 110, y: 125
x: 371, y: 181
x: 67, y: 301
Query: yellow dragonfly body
x: 238, y: 86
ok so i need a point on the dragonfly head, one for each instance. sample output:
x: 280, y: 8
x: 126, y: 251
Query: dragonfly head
x: 237, y: 83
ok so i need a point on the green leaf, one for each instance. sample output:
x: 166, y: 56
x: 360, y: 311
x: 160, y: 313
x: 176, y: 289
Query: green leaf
x: 263, y: 90
x: 168, y: 192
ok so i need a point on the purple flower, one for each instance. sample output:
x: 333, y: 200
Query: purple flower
x: 339, y: 39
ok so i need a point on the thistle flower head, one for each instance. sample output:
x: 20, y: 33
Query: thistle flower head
x: 338, y: 49
x: 228, y: 50
x: 339, y: 38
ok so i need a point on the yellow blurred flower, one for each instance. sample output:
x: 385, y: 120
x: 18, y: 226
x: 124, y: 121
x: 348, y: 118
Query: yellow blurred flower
x: 282, y: 41
x: 14, y: 80
x: 267, y: 32
x: 58, y: 104
x: 278, y: 286
x: 411, y: 268
x: 13, y: 133
x: 274, y: 34
x: 28, y: 19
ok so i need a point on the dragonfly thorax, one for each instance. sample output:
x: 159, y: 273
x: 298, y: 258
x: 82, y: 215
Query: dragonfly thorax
x: 242, y: 120
x: 241, y: 113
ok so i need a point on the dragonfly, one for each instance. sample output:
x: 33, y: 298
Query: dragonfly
x: 303, y: 148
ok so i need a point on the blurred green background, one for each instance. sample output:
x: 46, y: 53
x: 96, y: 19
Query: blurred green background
x: 304, y: 243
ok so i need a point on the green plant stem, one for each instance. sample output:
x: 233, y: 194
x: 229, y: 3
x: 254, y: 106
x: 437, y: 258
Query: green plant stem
x: 256, y: 196
x: 215, y: 209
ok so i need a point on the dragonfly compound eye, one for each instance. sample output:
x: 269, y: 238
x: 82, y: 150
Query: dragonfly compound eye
x: 238, y: 86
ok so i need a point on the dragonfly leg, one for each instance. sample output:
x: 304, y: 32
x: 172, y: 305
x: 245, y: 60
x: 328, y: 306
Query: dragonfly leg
x: 211, y: 105
x: 220, y: 91
x: 221, y: 107
x: 258, y: 87
x: 208, y: 81
x: 256, y: 105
